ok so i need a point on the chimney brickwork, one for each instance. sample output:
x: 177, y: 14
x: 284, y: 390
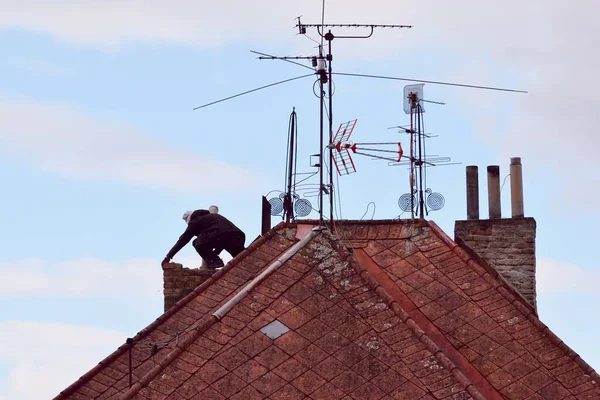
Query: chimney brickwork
x: 508, y: 245
x: 180, y: 281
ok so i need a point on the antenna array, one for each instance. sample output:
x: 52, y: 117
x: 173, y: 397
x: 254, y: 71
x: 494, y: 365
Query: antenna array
x: 340, y: 149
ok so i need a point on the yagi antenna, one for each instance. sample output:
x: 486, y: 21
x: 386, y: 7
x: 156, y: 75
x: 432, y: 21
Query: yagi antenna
x: 343, y: 149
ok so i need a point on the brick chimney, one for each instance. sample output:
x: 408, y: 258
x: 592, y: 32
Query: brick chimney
x: 180, y: 281
x: 506, y: 244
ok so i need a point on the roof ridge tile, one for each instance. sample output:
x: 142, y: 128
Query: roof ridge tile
x: 418, y: 332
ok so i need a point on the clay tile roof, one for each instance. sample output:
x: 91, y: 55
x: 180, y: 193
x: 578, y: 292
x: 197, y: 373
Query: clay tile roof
x: 378, y: 310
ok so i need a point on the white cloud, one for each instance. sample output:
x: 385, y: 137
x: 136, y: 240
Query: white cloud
x: 37, y: 66
x: 64, y: 141
x: 81, y: 278
x: 111, y: 23
x: 44, y: 358
x: 87, y: 277
x: 523, y: 30
x: 557, y: 277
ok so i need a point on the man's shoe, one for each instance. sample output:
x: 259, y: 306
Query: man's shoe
x: 214, y: 264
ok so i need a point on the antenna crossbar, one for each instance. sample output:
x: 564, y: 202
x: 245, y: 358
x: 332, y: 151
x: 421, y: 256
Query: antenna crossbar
x: 351, y: 26
x: 286, y: 58
x: 329, y: 36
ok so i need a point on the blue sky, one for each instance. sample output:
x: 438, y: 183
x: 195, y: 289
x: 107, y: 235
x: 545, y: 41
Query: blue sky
x: 100, y: 151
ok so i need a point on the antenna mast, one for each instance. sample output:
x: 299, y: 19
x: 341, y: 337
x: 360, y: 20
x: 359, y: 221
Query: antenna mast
x: 327, y: 76
x: 419, y: 196
x: 289, y: 204
x: 288, y: 207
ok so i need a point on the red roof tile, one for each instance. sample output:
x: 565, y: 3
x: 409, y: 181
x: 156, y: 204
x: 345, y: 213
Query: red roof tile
x: 406, y: 314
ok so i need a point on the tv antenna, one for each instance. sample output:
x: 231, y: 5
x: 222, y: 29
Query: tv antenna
x: 420, y: 196
x: 322, y: 68
x: 342, y: 149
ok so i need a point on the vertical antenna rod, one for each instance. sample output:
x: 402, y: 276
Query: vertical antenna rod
x: 320, y: 64
x: 412, y: 100
x: 329, y: 38
x: 289, y: 195
x: 420, y: 162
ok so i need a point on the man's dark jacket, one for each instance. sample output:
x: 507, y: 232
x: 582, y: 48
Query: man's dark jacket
x: 206, y: 227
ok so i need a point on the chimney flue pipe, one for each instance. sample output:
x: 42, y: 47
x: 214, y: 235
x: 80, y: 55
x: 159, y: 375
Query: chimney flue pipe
x: 516, y: 187
x: 472, y: 192
x: 265, y: 216
x: 495, y: 207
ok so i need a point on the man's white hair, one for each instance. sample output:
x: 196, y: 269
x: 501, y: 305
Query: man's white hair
x: 186, y: 216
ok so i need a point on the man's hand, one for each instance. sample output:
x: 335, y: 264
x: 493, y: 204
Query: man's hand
x: 165, y: 261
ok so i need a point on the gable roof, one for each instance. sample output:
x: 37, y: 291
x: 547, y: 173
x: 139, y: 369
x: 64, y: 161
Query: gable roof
x: 380, y: 310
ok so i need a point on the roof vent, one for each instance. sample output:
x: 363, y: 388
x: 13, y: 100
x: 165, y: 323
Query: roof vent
x: 274, y: 329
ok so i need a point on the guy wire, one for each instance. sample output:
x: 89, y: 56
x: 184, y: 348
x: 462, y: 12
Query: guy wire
x: 500, y: 195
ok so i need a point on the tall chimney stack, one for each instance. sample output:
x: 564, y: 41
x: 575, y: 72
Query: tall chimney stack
x: 516, y: 187
x: 493, y: 174
x: 506, y: 245
x: 472, y: 192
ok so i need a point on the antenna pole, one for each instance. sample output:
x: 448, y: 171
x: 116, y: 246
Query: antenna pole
x: 321, y: 186
x: 288, y: 196
x: 420, y: 162
x: 412, y: 162
x: 329, y: 37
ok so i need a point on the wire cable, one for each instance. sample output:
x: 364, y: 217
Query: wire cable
x: 296, y: 184
x: 252, y: 90
x: 367, y: 210
x: 308, y: 37
x: 500, y: 195
x: 432, y: 82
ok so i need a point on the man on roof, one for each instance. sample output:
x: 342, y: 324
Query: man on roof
x: 214, y: 233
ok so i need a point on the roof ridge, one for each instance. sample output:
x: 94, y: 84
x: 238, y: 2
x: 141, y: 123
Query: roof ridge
x: 363, y: 221
x: 515, y: 298
x: 469, y: 384
x: 217, y: 315
x: 167, y: 314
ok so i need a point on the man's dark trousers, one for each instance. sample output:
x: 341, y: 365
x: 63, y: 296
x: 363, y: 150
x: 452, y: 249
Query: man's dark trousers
x: 232, y: 242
